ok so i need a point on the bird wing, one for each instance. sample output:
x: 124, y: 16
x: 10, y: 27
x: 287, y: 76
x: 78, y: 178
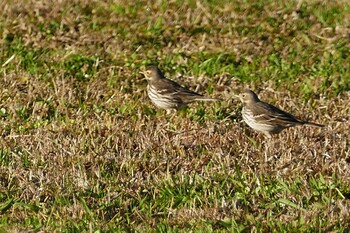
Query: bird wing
x: 271, y: 114
x: 171, y: 87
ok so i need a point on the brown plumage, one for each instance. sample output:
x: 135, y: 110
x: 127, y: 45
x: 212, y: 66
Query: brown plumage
x: 168, y: 94
x: 267, y: 118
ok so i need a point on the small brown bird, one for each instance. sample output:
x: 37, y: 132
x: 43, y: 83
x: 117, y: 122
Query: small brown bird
x: 166, y: 93
x: 266, y: 118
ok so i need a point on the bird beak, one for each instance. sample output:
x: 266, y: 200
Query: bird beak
x: 237, y: 96
x: 143, y: 73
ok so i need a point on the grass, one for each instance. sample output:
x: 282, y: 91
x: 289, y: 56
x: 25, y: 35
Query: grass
x: 82, y: 148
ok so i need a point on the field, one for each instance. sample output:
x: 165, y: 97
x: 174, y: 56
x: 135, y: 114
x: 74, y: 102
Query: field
x: 83, y: 149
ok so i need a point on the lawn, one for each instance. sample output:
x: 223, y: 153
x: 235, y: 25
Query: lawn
x: 83, y: 149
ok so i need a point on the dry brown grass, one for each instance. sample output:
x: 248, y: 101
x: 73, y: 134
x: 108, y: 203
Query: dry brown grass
x: 82, y: 148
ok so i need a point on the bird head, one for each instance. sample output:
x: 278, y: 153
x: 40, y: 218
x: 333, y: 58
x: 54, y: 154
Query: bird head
x: 248, y: 97
x: 152, y: 73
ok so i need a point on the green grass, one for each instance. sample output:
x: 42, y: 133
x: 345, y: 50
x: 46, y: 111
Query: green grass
x: 83, y: 149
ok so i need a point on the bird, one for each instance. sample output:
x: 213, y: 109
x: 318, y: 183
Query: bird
x: 265, y: 117
x: 168, y: 94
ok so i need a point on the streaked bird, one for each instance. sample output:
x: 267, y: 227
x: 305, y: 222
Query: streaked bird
x: 267, y: 118
x: 168, y: 94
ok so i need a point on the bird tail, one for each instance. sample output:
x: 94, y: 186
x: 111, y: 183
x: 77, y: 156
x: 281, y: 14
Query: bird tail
x: 207, y: 99
x: 313, y: 124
